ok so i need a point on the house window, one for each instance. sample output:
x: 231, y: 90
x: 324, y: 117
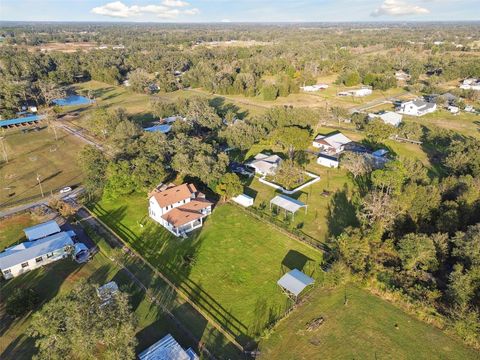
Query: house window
x: 6, y: 272
x: 25, y: 264
x: 49, y: 255
x: 39, y: 259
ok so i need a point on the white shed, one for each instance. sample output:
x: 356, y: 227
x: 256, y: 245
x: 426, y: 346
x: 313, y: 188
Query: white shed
x: 243, y: 200
x: 328, y: 161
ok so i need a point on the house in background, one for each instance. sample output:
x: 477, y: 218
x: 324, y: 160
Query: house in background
x: 331, y: 143
x: 178, y: 208
x: 364, y: 91
x: 388, y: 117
x: 453, y: 109
x: 265, y: 164
x: 402, y: 76
x: 417, y: 108
x: 470, y: 84
x: 31, y: 255
x: 167, y: 348
x: 313, y: 88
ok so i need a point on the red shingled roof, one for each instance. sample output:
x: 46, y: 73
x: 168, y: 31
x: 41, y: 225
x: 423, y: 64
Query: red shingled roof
x: 178, y: 216
x: 174, y: 194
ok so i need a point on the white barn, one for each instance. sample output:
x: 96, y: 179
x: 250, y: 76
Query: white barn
x: 31, y: 255
x: 388, y: 117
x: 178, y: 208
x: 361, y: 92
x: 313, y: 88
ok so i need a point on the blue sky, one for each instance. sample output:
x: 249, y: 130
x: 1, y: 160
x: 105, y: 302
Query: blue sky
x: 239, y: 10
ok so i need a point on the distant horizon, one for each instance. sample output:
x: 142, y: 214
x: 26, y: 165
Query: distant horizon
x: 245, y: 11
x: 240, y: 22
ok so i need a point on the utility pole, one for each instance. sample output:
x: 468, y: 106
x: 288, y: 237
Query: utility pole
x: 5, y: 155
x: 40, y: 184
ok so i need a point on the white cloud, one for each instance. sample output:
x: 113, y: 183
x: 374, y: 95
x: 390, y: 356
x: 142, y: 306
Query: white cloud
x: 175, y: 3
x: 399, y: 8
x: 226, y: 20
x: 169, y: 9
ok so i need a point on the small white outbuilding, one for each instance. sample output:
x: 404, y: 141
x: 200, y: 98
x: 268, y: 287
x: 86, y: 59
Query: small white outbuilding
x: 243, y: 200
x: 328, y: 161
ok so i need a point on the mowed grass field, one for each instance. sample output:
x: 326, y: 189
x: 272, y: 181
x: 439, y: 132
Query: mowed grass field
x: 329, y: 200
x: 229, y: 268
x: 39, y: 153
x: 366, y: 327
x: 138, y: 106
x: 60, y: 277
x: 464, y: 123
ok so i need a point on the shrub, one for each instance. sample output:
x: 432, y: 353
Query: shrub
x: 21, y: 301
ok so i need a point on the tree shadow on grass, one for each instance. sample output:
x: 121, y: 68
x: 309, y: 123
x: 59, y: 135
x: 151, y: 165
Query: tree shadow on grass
x: 341, y: 213
x: 23, y: 347
x: 46, y: 282
x: 175, y: 257
x: 294, y: 260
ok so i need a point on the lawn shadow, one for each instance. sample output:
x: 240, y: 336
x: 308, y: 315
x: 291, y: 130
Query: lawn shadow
x: 21, y: 348
x: 294, y: 260
x: 46, y: 282
x: 341, y: 213
x: 175, y: 257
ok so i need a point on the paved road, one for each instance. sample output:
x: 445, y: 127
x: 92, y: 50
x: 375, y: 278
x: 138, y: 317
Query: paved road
x: 44, y: 201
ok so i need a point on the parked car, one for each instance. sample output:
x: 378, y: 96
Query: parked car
x: 65, y: 190
x: 241, y: 169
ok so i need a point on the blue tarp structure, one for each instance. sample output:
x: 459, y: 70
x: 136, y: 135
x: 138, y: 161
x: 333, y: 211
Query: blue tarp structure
x: 295, y: 281
x: 21, y: 120
x: 159, y: 128
x: 73, y: 100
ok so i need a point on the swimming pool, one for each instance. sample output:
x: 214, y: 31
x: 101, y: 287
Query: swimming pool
x: 72, y: 100
x: 159, y: 128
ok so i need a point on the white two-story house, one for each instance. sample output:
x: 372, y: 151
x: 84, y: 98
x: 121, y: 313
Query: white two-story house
x: 178, y: 208
x: 417, y: 108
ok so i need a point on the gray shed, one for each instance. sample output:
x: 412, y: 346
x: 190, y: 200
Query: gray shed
x: 288, y: 204
x: 294, y: 282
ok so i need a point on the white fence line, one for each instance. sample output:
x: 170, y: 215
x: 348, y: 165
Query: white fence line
x: 314, y: 177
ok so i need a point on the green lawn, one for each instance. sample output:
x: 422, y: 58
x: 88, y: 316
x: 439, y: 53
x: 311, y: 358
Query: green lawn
x: 60, y: 277
x: 229, y: 268
x: 464, y: 123
x: 38, y: 153
x: 11, y: 229
x: 326, y: 215
x: 365, y: 328
x: 139, y: 105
